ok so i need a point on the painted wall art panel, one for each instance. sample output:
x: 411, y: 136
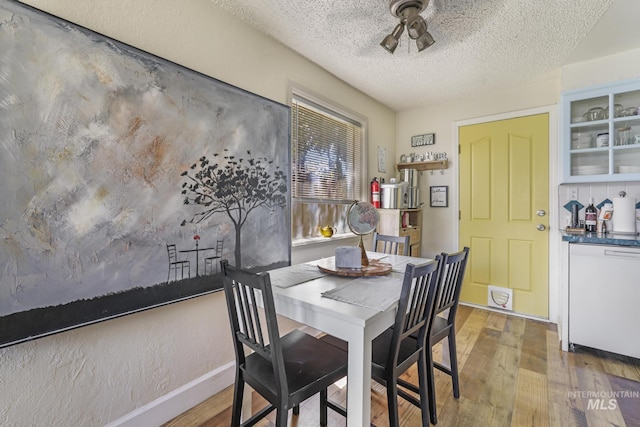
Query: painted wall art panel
x: 125, y: 178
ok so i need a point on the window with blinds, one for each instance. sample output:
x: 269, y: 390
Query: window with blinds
x: 326, y: 167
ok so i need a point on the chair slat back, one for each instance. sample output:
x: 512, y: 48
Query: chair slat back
x: 245, y: 292
x: 390, y: 244
x: 415, y: 308
x: 452, y: 276
x: 219, y: 244
x: 250, y: 332
x: 171, y: 250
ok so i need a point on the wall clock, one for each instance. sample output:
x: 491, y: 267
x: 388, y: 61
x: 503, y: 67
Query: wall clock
x: 425, y: 139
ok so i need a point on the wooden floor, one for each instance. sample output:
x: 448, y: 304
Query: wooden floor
x: 512, y: 373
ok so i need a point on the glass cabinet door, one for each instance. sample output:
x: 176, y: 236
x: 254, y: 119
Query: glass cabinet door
x: 589, y: 137
x: 601, y: 137
x: 626, y: 131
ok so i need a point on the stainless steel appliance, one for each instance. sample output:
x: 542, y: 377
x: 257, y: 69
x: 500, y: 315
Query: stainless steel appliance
x: 410, y: 176
x: 394, y: 195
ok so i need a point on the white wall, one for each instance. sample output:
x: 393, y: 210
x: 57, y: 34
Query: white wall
x: 613, y: 68
x: 96, y: 374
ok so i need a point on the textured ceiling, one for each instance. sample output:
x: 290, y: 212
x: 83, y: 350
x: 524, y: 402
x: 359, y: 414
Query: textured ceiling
x: 480, y: 45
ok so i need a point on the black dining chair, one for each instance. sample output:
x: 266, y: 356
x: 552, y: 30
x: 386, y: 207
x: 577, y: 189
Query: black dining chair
x: 210, y: 261
x: 390, y: 244
x: 396, y: 350
x: 285, y: 370
x: 175, y: 264
x: 453, y: 270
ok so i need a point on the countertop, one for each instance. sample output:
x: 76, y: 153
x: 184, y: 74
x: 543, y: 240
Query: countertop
x: 599, y: 239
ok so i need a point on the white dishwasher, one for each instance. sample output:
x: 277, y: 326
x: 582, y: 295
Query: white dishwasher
x: 604, y: 298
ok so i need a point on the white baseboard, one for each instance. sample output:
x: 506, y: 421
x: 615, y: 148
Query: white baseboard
x: 178, y: 401
x: 509, y: 313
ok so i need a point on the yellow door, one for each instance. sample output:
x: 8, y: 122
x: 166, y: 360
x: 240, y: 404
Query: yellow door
x: 504, y: 184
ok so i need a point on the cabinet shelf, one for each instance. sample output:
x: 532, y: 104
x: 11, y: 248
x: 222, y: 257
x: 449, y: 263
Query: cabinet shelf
x: 592, y: 150
x: 391, y: 223
x: 586, y: 158
x: 424, y: 166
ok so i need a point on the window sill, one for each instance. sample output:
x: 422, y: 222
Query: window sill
x: 321, y: 240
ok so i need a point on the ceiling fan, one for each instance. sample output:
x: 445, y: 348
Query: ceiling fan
x: 408, y: 11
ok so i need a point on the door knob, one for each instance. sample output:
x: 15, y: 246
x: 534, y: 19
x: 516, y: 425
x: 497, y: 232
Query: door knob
x: 541, y: 227
x: 541, y: 213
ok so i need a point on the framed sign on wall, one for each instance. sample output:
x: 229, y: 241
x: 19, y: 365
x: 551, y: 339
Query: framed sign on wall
x: 425, y: 139
x: 439, y: 196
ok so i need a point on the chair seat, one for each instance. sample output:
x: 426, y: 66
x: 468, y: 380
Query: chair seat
x: 380, y: 350
x: 439, y: 330
x: 336, y: 342
x: 309, y: 363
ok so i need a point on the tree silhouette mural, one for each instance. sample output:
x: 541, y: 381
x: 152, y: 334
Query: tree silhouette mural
x: 235, y: 187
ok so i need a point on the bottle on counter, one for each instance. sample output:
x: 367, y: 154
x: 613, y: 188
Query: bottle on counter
x: 591, y: 217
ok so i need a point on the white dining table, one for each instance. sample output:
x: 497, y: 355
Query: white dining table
x: 358, y: 325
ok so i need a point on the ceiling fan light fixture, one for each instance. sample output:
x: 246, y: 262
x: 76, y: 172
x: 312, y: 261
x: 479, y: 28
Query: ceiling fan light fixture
x: 408, y: 11
x: 424, y: 41
x: 416, y: 26
x: 390, y: 42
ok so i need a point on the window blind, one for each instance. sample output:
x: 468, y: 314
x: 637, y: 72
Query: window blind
x: 326, y: 154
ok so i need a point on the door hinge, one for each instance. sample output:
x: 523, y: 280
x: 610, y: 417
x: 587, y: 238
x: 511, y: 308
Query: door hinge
x: 459, y: 149
x: 459, y: 215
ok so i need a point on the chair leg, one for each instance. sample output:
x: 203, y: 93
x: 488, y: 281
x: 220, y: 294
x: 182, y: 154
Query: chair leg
x: 424, y: 388
x: 238, y: 392
x: 282, y: 417
x: 392, y: 402
x: 431, y: 386
x: 454, y: 363
x: 323, y: 407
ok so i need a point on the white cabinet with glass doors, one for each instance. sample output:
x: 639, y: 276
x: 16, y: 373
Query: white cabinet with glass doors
x: 600, y: 134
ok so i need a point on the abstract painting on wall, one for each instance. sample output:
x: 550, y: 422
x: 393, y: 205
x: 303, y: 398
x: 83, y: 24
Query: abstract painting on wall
x: 125, y: 178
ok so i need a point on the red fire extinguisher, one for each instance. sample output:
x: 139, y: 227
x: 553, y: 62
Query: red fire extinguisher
x: 375, y: 192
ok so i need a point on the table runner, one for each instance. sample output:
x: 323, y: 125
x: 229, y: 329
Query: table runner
x: 286, y: 277
x: 377, y: 293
